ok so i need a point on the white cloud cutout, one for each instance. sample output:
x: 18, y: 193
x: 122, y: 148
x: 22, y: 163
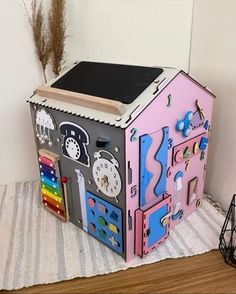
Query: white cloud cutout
x: 44, y: 119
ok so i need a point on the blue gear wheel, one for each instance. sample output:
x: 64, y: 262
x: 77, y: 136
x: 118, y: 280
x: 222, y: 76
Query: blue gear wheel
x: 184, y: 125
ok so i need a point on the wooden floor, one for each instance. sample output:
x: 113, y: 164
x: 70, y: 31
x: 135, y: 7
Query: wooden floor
x: 205, y: 273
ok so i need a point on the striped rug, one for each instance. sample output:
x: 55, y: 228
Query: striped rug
x: 37, y: 248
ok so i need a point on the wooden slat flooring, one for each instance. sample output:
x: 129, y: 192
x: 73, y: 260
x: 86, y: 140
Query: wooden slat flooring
x: 205, y: 273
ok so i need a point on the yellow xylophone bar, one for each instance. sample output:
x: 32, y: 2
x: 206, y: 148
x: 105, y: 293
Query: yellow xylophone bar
x: 51, y: 195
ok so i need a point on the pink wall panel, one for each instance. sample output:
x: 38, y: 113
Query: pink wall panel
x: 156, y: 116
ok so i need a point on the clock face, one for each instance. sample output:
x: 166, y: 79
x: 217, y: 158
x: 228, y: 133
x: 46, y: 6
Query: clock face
x: 106, y: 177
x: 72, y: 148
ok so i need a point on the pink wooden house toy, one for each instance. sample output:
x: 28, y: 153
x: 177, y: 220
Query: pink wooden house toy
x: 122, y: 151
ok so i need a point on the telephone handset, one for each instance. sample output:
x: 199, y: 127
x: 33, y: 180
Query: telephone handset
x: 74, y: 144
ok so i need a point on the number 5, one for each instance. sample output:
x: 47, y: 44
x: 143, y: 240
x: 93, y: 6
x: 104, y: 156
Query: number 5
x: 133, y: 191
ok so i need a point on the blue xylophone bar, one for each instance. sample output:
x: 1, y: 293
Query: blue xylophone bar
x: 49, y: 176
x: 46, y: 168
x: 49, y: 182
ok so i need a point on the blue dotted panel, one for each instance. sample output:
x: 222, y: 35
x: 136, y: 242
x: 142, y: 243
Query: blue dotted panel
x: 146, y: 176
x: 162, y: 157
x: 99, y: 221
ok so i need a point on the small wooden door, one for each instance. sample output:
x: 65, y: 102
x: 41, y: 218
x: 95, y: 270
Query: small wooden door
x: 152, y: 226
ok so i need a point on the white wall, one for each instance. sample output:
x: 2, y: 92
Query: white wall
x: 147, y: 32
x: 213, y: 61
x: 19, y: 75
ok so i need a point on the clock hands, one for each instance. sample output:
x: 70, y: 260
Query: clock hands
x: 105, y: 182
x: 200, y: 110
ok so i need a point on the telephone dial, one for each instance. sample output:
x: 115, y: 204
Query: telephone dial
x: 74, y: 144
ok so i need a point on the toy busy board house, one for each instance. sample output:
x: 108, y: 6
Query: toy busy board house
x: 122, y: 151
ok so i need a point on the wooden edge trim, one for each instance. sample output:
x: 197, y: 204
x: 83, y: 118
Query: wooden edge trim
x: 209, y: 91
x: 53, y: 212
x: 97, y: 103
x: 48, y: 154
x: 65, y: 201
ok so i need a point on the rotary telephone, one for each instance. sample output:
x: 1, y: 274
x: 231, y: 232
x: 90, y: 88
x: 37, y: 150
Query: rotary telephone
x: 74, y: 144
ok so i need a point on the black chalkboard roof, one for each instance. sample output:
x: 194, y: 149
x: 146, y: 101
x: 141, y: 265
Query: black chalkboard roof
x: 118, y: 82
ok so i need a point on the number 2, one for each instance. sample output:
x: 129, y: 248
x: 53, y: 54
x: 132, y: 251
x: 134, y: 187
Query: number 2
x: 133, y: 135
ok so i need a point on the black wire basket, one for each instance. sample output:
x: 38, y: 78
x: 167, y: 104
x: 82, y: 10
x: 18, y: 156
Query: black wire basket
x: 227, y: 244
